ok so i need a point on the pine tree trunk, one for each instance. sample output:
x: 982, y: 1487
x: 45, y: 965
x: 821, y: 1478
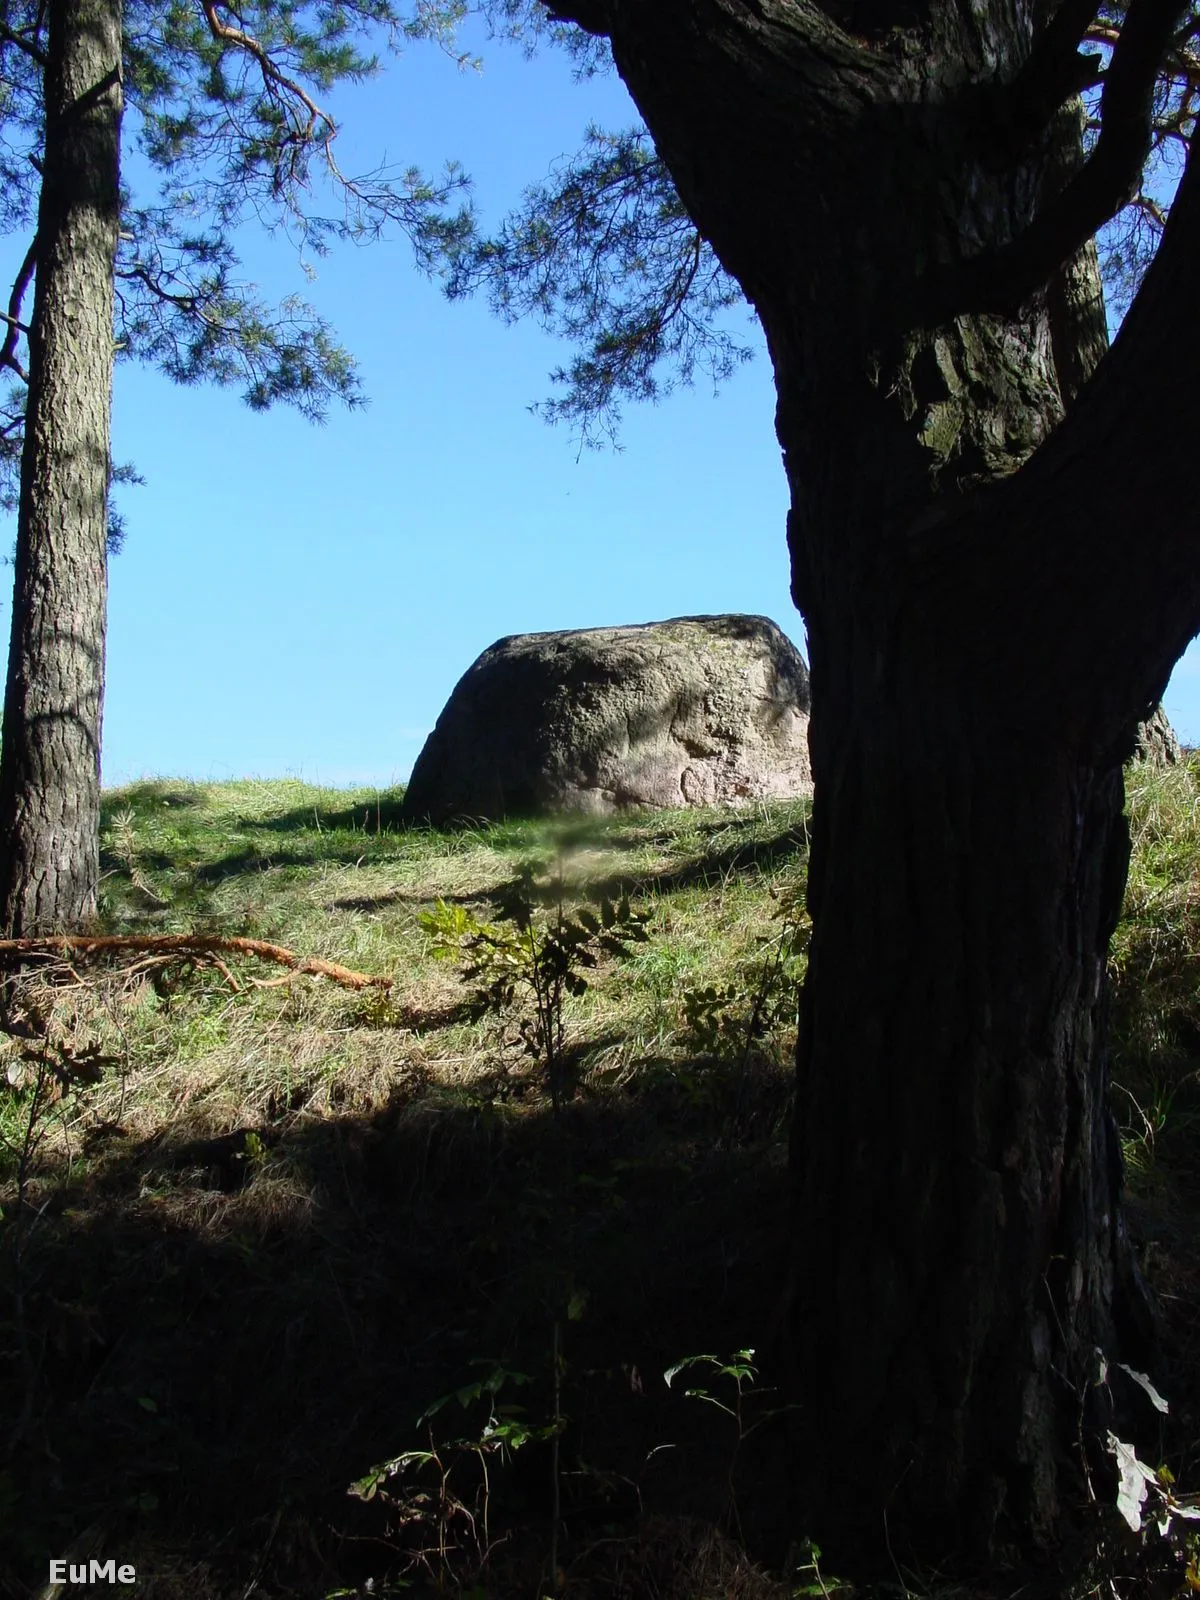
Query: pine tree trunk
x: 960, y: 1269
x: 994, y: 595
x: 50, y: 760
x: 959, y: 1261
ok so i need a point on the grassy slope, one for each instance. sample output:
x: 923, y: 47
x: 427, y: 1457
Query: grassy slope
x: 289, y: 1218
x: 236, y: 1328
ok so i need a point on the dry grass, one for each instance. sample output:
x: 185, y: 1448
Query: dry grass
x: 324, y: 873
x: 285, y: 1220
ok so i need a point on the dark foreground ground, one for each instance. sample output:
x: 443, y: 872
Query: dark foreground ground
x: 307, y: 1292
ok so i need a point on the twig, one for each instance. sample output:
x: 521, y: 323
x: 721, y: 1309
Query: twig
x: 181, y: 946
x: 273, y: 78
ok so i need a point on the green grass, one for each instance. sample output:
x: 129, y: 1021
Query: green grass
x: 287, y: 1219
x: 1156, y: 970
x: 331, y: 874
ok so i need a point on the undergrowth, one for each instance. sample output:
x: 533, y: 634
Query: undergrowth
x: 282, y: 1221
x: 245, y: 1257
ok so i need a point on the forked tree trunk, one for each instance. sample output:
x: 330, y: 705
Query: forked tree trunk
x: 957, y: 1262
x: 50, y: 759
x: 993, y: 597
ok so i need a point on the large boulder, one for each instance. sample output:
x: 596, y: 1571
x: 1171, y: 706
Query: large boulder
x: 1155, y: 742
x: 696, y: 711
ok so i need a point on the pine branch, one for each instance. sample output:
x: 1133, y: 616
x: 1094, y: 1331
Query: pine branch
x: 1002, y: 280
x: 8, y: 351
x: 273, y: 78
x: 181, y: 946
x: 33, y: 51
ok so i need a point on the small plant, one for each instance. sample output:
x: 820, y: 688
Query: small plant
x: 539, y: 949
x: 804, y: 1569
x: 737, y: 1378
x: 739, y: 1375
x: 439, y: 1497
x: 122, y: 843
x: 728, y: 1019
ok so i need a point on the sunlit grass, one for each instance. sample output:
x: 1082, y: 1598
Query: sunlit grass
x: 333, y: 873
x: 1156, y: 970
x: 292, y: 1217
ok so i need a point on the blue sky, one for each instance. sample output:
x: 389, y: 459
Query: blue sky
x: 301, y: 600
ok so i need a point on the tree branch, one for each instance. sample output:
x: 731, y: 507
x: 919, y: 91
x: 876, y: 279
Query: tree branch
x: 1078, y: 574
x: 1054, y: 71
x: 1001, y: 280
x: 16, y: 952
x: 593, y: 16
x: 272, y: 76
x: 140, y: 274
x: 33, y: 51
x: 8, y: 351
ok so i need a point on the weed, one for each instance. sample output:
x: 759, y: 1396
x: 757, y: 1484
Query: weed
x: 439, y: 1497
x: 53, y: 1056
x: 738, y: 1377
x: 730, y: 1018
x: 538, y: 951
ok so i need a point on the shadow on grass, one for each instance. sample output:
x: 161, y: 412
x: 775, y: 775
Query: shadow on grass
x: 224, y: 1334
x: 337, y: 851
x: 152, y: 860
x: 738, y: 860
x: 378, y: 813
x: 146, y: 794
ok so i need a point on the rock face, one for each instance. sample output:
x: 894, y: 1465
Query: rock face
x: 692, y: 712
x: 1156, y: 741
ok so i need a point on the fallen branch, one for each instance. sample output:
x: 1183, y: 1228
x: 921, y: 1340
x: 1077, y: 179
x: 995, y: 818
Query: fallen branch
x: 181, y: 946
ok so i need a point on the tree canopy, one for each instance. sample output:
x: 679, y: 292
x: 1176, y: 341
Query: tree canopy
x: 224, y: 123
x: 603, y: 253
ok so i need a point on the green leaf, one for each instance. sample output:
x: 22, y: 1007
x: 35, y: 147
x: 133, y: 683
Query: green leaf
x: 672, y: 1373
x: 576, y: 1305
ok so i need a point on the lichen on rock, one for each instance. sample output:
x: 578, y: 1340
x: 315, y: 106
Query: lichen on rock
x: 689, y: 712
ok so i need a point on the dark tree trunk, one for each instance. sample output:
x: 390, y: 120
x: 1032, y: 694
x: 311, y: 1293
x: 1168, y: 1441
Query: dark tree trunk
x: 993, y: 595
x: 50, y: 761
x: 957, y: 1255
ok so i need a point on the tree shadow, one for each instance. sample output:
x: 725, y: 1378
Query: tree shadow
x: 233, y: 1329
x: 377, y: 814
x: 739, y: 860
x: 254, y: 859
x: 147, y: 792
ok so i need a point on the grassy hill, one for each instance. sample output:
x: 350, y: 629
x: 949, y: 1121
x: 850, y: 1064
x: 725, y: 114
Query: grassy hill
x: 266, y: 1223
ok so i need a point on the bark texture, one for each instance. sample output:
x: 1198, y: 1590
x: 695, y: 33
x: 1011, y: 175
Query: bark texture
x: 993, y: 545
x: 50, y: 762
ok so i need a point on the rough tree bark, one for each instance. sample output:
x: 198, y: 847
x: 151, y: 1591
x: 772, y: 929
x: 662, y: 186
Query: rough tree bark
x: 50, y: 759
x: 995, y: 590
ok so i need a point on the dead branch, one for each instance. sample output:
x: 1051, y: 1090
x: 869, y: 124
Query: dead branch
x: 182, y: 946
